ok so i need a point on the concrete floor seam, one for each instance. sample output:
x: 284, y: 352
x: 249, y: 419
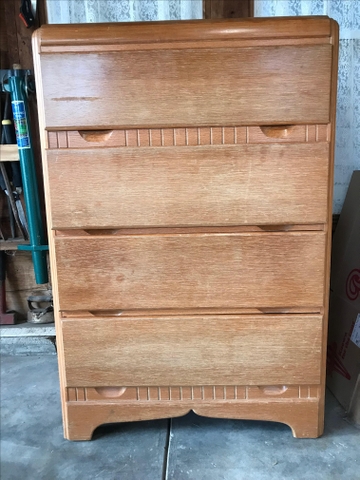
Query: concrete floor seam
x: 167, y: 450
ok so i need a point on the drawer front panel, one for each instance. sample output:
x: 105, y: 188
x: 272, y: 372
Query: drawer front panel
x: 189, y: 186
x: 237, y: 350
x: 208, y: 86
x: 191, y: 271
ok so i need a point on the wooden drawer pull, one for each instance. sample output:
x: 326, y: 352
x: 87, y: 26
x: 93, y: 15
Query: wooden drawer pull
x: 110, y: 392
x: 277, y: 131
x: 95, y: 136
x: 106, y: 313
x: 258, y: 229
x: 273, y: 389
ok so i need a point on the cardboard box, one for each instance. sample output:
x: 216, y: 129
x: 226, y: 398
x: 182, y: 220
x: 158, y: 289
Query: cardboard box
x: 345, y: 256
x: 343, y: 361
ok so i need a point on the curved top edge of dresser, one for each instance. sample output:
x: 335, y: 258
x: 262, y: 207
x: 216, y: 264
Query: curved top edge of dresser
x: 182, y: 31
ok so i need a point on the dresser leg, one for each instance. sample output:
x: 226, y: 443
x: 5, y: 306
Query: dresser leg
x: 307, y: 428
x: 81, y: 422
x: 77, y: 431
x: 82, y: 419
x: 305, y: 431
x: 302, y: 417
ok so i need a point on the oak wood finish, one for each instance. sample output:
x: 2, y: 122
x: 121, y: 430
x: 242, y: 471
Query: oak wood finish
x: 205, y: 270
x: 291, y: 86
x: 190, y: 263
x: 49, y: 38
x: 161, y: 186
x: 85, y: 417
x: 175, y: 351
x: 204, y: 393
x: 9, y: 153
x: 168, y: 137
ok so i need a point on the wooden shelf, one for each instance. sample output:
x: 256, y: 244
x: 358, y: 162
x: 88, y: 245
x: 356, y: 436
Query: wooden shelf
x: 9, y: 153
x: 12, y: 244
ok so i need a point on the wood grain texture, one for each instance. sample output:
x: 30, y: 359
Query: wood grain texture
x: 139, y: 33
x: 44, y: 144
x: 187, y: 271
x: 188, y: 311
x: 9, y: 153
x: 222, y: 185
x: 15, y: 37
x: 263, y: 83
x: 116, y: 232
x: 291, y: 86
x: 301, y: 416
x: 326, y: 281
x: 189, y: 136
x: 228, y: 8
x: 203, y: 393
x: 233, y: 351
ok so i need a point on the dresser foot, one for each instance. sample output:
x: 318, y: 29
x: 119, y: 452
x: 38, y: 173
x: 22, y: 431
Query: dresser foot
x: 302, y: 417
x: 82, y: 420
x: 79, y: 432
x: 307, y: 428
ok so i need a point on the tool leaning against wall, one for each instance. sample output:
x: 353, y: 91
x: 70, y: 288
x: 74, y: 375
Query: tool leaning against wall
x: 17, y: 86
x: 10, y: 174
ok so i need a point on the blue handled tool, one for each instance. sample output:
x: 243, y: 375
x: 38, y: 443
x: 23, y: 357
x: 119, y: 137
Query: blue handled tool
x: 16, y: 85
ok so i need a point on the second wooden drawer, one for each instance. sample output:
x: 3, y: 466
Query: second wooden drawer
x: 189, y: 186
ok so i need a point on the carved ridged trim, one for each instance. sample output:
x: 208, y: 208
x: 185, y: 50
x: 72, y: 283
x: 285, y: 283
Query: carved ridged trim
x: 196, y: 393
x: 76, y: 394
x: 169, y: 137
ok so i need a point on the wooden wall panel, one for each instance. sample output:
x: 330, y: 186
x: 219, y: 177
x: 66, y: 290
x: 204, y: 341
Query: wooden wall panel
x: 228, y: 8
x: 15, y: 48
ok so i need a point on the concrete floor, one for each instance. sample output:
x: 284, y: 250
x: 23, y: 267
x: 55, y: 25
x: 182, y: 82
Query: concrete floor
x: 191, y: 447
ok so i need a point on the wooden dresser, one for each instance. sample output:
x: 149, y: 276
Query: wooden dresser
x: 188, y: 172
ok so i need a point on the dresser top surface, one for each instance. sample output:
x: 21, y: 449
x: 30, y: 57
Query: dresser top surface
x: 180, y: 31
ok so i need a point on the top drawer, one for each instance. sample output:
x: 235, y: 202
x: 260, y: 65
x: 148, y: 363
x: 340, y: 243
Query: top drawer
x: 282, y: 84
x: 189, y: 73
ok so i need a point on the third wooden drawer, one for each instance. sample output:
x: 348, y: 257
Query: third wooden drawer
x: 170, y: 271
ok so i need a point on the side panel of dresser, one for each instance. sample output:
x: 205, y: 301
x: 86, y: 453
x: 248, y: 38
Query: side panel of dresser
x: 333, y: 93
x: 52, y: 259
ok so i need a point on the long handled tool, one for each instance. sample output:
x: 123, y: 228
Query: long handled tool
x: 17, y: 86
x: 8, y: 137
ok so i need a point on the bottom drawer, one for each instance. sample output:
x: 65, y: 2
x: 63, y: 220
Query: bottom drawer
x: 185, y: 351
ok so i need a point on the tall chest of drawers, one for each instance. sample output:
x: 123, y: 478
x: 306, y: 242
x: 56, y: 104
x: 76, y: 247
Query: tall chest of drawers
x: 188, y: 175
